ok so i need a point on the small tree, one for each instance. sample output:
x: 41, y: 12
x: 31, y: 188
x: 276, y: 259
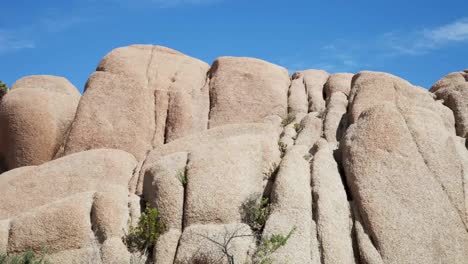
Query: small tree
x: 3, y: 89
x: 145, y: 234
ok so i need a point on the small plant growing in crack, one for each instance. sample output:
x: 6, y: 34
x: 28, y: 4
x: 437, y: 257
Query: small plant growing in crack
x: 270, y: 245
x: 282, y: 148
x: 28, y: 257
x: 298, y: 127
x: 255, y: 212
x: 262, y: 255
x: 143, y: 237
x: 307, y: 157
x: 288, y: 119
x: 182, y: 176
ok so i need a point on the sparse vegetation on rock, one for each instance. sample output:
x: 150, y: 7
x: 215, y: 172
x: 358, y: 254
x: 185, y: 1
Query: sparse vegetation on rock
x: 255, y: 212
x: 28, y: 257
x: 144, y: 236
x: 3, y: 89
x: 77, y: 167
x: 270, y: 245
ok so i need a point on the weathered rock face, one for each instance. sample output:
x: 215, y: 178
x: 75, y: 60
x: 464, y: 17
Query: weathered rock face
x: 35, y: 117
x: 336, y: 168
x: 453, y: 90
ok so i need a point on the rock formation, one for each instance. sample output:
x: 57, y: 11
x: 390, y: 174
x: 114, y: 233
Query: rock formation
x: 347, y: 168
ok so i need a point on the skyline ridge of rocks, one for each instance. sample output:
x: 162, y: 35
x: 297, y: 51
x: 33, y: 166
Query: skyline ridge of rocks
x: 366, y: 167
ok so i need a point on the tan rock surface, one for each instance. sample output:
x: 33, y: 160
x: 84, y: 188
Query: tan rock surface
x: 34, y: 119
x: 244, y: 90
x: 391, y: 168
x: 453, y: 90
x: 366, y: 168
x: 140, y: 96
x: 95, y: 170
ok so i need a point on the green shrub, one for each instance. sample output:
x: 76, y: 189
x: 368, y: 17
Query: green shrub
x: 282, y: 148
x: 28, y: 257
x: 182, y: 176
x: 298, y: 127
x: 288, y: 119
x: 145, y: 234
x: 3, y: 89
x: 255, y: 212
x: 269, y: 245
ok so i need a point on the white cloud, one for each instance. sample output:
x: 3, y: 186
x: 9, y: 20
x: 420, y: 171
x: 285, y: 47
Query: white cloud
x: 9, y: 41
x: 423, y: 41
x: 456, y: 31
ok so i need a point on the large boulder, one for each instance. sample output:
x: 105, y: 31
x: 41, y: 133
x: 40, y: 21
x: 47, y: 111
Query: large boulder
x: 139, y: 97
x: 405, y: 175
x: 291, y: 210
x: 34, y: 119
x: 332, y: 210
x: 453, y: 90
x: 77, y: 207
x: 205, y: 179
x: 96, y: 170
x: 244, y: 90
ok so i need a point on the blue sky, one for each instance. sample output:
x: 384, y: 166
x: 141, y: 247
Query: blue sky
x: 420, y: 41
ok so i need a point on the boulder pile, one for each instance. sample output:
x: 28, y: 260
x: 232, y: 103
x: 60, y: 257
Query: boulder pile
x: 345, y: 168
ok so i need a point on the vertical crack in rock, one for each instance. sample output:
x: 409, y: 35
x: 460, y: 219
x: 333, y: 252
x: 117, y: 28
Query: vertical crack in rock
x: 166, y: 123
x: 98, y: 238
x: 206, y: 85
x: 185, y: 185
x: 211, y: 92
x: 149, y: 86
x: 184, y: 206
x: 421, y: 154
x: 315, y: 208
x: 341, y: 171
x: 364, y: 246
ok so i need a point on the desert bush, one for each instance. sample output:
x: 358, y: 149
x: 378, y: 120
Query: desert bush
x: 269, y: 245
x: 288, y: 119
x: 298, y: 127
x: 182, y: 176
x: 255, y: 212
x: 144, y: 236
x: 3, y: 89
x: 28, y: 257
x: 282, y: 148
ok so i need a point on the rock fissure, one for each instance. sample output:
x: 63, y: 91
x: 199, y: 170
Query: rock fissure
x: 422, y: 156
x: 166, y: 122
x: 442, y: 186
x: 158, y: 126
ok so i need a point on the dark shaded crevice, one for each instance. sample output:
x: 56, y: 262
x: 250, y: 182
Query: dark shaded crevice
x: 354, y: 238
x: 337, y: 155
x: 324, y: 93
x: 271, y: 181
x: 139, y: 174
x: 184, y: 205
x: 212, y: 96
x: 100, y: 237
x: 365, y: 242
x: 315, y: 212
x: 166, y: 126
x: 187, y: 179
